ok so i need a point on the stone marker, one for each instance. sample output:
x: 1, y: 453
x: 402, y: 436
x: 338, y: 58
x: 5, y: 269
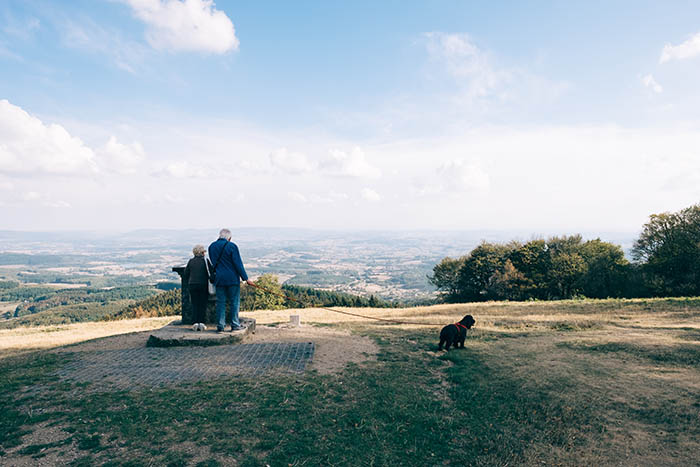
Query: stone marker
x: 187, y: 313
x: 180, y: 333
x: 295, y: 320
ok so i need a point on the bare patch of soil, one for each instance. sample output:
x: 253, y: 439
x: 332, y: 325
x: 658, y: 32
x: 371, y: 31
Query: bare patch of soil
x: 43, y: 437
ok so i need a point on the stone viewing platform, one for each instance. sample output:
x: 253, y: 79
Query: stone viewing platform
x: 180, y: 333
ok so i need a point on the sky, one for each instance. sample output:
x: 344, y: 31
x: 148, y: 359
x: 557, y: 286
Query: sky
x: 394, y: 115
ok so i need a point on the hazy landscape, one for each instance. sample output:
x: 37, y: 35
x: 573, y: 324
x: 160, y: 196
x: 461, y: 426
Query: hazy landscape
x: 392, y: 173
x: 390, y: 264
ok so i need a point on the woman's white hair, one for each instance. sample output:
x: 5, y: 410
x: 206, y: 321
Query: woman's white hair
x: 199, y: 250
x: 225, y: 234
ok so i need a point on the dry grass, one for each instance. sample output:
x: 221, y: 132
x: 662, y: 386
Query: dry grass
x: 514, y: 316
x: 8, y: 306
x: 634, y: 363
x: 632, y: 319
x: 13, y: 341
x: 628, y: 368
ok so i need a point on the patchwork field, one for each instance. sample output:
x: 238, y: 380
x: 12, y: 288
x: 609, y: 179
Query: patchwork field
x: 607, y: 382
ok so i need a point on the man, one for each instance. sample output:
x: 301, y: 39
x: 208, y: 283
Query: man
x: 226, y: 259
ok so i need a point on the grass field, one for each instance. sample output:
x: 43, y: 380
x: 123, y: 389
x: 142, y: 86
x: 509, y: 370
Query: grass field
x: 609, y: 382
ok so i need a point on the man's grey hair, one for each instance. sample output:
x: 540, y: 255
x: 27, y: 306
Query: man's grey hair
x: 199, y: 250
x: 225, y: 234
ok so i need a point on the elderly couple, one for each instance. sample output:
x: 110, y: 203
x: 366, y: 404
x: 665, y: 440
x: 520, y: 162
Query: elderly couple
x: 225, y: 260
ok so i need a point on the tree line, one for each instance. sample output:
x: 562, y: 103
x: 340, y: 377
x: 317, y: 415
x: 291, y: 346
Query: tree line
x: 252, y: 298
x: 296, y: 296
x: 53, y: 298
x: 666, y: 262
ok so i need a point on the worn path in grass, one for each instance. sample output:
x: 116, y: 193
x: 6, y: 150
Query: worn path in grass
x: 572, y: 383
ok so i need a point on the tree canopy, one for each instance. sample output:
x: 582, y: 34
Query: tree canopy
x: 669, y: 248
x: 560, y: 267
x: 666, y: 263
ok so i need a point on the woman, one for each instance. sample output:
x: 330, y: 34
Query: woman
x: 196, y: 278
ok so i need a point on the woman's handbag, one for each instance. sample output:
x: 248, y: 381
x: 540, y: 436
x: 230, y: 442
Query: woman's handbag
x: 210, y: 285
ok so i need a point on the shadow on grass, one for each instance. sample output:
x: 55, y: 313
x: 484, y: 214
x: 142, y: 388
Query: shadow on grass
x: 501, y: 418
x: 16, y: 374
x: 683, y: 355
x: 410, y: 407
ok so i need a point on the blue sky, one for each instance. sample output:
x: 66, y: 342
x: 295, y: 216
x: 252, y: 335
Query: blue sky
x: 540, y: 116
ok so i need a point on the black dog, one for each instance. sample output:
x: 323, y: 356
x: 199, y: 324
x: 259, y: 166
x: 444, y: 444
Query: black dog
x: 454, y: 334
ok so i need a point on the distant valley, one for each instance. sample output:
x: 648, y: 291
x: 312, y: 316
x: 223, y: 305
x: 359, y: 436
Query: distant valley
x: 390, y: 265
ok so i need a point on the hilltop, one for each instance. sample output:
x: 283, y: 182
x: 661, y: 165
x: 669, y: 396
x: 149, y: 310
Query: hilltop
x: 592, y: 382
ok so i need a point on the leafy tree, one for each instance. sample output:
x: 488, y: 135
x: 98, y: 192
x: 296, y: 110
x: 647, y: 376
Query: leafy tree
x: 253, y: 298
x: 565, y: 275
x: 669, y: 248
x: 54, y: 298
x: 164, y: 304
x: 565, y: 269
x: 446, y: 278
x: 8, y: 284
x: 534, y: 261
x: 608, y: 272
x: 478, y: 271
x: 310, y: 297
x: 510, y: 284
x: 560, y: 267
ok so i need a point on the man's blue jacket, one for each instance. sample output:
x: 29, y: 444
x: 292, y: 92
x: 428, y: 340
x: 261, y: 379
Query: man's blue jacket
x: 229, y: 269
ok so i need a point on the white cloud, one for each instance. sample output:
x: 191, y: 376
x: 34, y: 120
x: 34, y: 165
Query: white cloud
x: 352, y: 164
x: 468, y: 64
x: 649, y: 82
x: 296, y: 196
x: 31, y: 196
x: 40, y: 199
x: 7, y: 53
x: 187, y: 25
x: 175, y: 199
x: 57, y: 204
x: 688, y: 49
x: 121, y: 158
x: 455, y: 176
x: 470, y: 84
x: 20, y: 28
x: 84, y: 34
x: 184, y: 169
x: 369, y: 194
x: 461, y: 176
x: 28, y: 146
x: 290, y: 162
x: 162, y: 199
x: 320, y: 199
x: 315, y: 198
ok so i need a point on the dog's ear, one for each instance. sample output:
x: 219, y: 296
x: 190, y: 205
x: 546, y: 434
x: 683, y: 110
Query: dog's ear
x: 470, y: 320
